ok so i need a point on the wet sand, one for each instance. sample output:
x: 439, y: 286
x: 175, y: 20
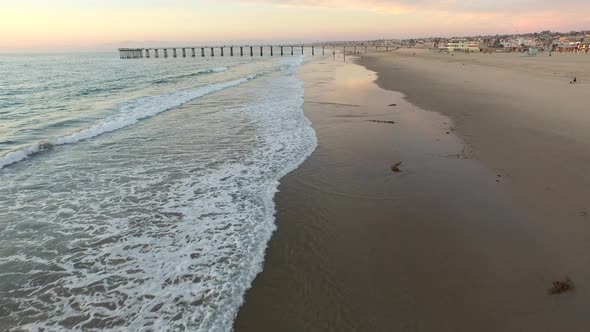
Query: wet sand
x: 440, y: 246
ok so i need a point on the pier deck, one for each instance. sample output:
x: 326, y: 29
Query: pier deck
x: 250, y: 50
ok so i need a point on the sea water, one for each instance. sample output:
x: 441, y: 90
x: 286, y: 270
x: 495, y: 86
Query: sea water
x: 138, y: 194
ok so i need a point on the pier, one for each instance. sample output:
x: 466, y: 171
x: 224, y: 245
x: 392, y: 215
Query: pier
x: 253, y: 50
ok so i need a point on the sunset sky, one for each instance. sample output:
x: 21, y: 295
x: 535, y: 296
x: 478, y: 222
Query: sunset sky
x: 44, y: 25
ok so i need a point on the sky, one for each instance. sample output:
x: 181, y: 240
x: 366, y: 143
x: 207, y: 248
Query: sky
x: 54, y: 25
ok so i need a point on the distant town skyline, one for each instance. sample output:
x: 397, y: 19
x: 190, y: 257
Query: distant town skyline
x: 44, y: 25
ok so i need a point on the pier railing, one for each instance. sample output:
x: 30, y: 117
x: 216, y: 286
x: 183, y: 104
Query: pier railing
x: 248, y: 50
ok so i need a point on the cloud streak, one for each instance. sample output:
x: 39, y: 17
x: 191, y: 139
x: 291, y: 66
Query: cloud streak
x: 460, y: 6
x: 453, y: 15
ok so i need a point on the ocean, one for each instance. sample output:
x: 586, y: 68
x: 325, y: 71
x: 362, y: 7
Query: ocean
x: 138, y: 194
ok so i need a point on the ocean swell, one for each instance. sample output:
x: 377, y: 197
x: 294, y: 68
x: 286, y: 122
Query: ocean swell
x: 131, y: 113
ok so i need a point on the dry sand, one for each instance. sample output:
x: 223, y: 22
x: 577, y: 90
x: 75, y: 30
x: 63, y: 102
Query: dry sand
x: 449, y: 244
x: 524, y: 120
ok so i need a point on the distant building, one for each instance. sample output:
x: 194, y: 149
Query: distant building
x: 508, y: 43
x: 463, y: 45
x: 566, y: 47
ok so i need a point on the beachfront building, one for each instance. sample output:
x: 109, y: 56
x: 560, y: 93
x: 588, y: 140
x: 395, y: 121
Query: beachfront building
x: 456, y: 44
x: 463, y: 45
x: 566, y: 47
x: 508, y: 43
x: 528, y: 42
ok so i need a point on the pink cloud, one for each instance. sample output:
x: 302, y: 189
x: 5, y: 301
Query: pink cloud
x: 518, y: 6
x: 502, y: 16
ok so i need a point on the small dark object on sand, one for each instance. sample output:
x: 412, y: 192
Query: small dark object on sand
x: 560, y: 286
x: 393, y: 105
x: 381, y: 121
x: 497, y: 180
x: 448, y: 133
x: 583, y: 214
x: 395, y: 167
x: 574, y: 81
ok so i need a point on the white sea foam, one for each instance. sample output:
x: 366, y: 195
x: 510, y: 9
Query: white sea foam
x: 131, y: 113
x: 192, y: 74
x: 159, y: 244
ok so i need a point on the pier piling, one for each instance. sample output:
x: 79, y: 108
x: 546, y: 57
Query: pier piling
x: 137, y: 53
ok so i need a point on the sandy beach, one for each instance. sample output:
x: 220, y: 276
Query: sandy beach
x: 521, y: 117
x: 491, y: 204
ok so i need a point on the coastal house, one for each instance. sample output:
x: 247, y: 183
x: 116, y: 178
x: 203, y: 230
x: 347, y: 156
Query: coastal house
x: 463, y: 45
x: 566, y: 47
x: 508, y: 43
x: 527, y: 42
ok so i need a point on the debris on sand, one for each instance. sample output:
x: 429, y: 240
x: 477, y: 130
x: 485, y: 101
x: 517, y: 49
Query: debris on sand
x: 382, y: 121
x: 448, y: 133
x: 574, y: 81
x: 560, y: 286
x: 395, y: 167
x: 392, y: 104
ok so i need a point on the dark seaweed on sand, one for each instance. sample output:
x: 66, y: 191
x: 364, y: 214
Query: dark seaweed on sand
x: 560, y: 286
x: 395, y: 167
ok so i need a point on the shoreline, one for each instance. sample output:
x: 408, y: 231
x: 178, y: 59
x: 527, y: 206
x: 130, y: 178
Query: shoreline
x: 439, y: 246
